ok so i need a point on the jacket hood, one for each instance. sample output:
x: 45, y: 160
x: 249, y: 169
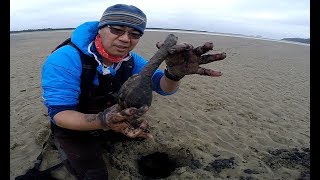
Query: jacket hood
x: 84, y: 34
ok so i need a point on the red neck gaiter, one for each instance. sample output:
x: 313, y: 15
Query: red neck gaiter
x: 103, y: 53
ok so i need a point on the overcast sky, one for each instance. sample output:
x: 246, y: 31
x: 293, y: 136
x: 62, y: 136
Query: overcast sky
x: 275, y: 19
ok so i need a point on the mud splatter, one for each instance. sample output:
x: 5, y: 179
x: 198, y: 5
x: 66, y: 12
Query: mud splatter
x: 290, y: 158
x: 218, y: 165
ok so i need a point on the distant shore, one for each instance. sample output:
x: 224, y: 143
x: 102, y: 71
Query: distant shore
x: 301, y: 41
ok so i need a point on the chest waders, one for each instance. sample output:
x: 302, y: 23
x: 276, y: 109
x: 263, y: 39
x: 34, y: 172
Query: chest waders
x: 92, y: 100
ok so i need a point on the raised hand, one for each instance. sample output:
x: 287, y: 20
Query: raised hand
x: 125, y: 121
x: 184, y: 60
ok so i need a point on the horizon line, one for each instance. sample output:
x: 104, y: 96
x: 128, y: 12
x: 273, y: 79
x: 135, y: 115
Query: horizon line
x: 176, y: 29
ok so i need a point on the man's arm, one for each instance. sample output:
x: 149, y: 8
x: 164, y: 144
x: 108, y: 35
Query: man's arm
x: 111, y: 118
x: 169, y: 86
x: 162, y: 84
x: 75, y: 120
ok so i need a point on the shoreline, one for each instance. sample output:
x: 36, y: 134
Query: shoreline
x: 229, y: 35
x: 180, y: 31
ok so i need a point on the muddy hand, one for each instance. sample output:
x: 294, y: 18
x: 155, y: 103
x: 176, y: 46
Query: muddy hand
x: 140, y: 131
x: 184, y: 60
x: 118, y: 120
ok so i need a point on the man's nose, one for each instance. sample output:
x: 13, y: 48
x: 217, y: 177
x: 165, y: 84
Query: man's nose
x: 124, y: 37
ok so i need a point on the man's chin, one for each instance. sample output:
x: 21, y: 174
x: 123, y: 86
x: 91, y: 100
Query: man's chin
x: 121, y: 54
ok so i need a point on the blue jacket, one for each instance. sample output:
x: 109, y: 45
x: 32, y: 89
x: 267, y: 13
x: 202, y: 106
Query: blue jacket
x: 61, y: 71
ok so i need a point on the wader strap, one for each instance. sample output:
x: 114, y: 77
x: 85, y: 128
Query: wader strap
x: 35, y: 173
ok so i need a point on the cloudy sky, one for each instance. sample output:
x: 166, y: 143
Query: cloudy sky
x: 274, y: 19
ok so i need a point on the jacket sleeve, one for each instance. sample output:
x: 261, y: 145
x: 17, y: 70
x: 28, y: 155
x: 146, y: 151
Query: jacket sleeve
x: 140, y: 62
x: 60, y: 78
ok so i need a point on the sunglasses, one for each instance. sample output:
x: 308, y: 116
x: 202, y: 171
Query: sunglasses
x: 119, y: 32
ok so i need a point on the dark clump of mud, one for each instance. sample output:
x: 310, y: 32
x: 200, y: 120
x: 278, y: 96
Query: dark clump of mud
x: 290, y: 158
x: 195, y: 164
x: 218, y: 165
x: 250, y: 171
x: 247, y: 178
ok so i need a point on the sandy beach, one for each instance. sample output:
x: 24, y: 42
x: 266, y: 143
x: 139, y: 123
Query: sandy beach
x: 253, y: 122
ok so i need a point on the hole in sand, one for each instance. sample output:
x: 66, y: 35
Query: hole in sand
x: 156, y: 165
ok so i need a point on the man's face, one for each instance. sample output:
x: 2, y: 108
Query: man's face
x: 117, y: 44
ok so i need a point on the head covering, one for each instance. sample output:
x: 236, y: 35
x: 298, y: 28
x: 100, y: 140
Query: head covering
x: 124, y: 15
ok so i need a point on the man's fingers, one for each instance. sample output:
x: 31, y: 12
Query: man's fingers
x: 136, y: 133
x: 208, y: 72
x: 204, y: 59
x: 118, y: 127
x: 144, y: 125
x: 176, y: 48
x: 159, y: 44
x: 180, y: 47
x: 128, y: 112
x: 203, y: 49
x: 115, y: 108
x: 134, y: 111
x: 145, y: 135
x: 140, y: 132
x: 142, y: 110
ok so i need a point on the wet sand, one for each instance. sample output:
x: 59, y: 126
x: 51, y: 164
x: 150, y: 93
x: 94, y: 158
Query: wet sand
x: 252, y: 122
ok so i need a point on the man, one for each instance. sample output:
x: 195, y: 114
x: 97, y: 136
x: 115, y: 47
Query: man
x: 80, y: 111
